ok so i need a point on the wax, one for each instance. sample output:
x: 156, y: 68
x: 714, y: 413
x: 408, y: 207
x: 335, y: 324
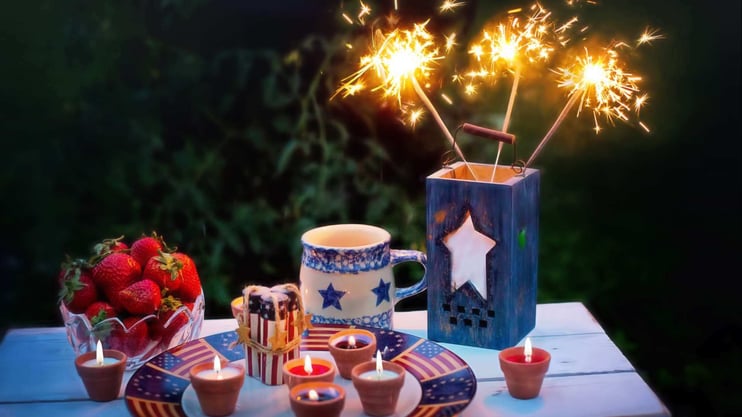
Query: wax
x: 226, y: 372
x: 317, y: 369
x: 374, y: 375
x: 343, y: 344
x: 106, y: 361
x: 322, y: 395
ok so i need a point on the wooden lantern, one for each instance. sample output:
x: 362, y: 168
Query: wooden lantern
x: 482, y: 247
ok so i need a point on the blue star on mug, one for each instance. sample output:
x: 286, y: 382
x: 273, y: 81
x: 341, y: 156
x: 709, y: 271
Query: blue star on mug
x: 382, y: 291
x: 331, y: 297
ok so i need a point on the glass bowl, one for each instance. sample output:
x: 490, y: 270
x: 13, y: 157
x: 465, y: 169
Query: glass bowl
x: 140, y: 338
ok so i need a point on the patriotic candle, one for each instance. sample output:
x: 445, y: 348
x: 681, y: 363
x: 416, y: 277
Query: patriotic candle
x: 298, y: 371
x: 378, y: 384
x: 524, y: 368
x: 351, y: 347
x: 101, y: 372
x: 217, y: 388
x: 315, y: 399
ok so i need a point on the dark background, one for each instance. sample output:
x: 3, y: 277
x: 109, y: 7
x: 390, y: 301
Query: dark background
x: 209, y: 121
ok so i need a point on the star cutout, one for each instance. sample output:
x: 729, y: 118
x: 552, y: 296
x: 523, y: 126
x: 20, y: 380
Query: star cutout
x: 331, y: 297
x: 469, y: 249
x: 382, y: 291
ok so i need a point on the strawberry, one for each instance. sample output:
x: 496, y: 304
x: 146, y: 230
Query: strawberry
x: 164, y: 269
x: 110, y: 245
x: 99, y: 311
x: 78, y: 289
x: 148, y: 246
x: 142, y: 297
x: 132, y: 342
x: 167, y: 331
x: 115, y: 272
x: 190, y: 288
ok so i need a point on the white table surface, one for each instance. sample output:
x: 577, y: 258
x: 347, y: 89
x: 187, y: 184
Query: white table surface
x: 588, y: 375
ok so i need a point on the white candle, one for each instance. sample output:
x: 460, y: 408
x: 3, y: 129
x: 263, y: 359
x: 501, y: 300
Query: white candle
x: 99, y: 359
x: 217, y: 372
x: 380, y: 373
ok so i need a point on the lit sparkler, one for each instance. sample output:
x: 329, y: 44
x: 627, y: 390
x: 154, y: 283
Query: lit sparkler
x: 600, y: 85
x: 398, y: 60
x: 508, y: 46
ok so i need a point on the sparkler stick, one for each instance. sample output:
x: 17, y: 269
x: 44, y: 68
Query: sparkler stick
x: 550, y: 133
x: 506, y: 122
x: 439, y: 121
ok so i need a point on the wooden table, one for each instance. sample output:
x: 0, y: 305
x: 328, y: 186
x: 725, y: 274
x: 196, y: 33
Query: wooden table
x: 588, y: 376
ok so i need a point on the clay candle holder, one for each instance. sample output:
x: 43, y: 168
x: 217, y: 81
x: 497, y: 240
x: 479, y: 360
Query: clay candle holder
x: 301, y: 370
x: 378, y: 385
x: 217, y: 389
x: 524, y: 368
x: 351, y: 347
x: 102, y: 372
x: 317, y: 399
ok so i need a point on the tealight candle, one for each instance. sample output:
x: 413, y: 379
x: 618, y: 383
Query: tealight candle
x: 378, y: 384
x: 524, y: 368
x: 101, y: 372
x: 351, y: 347
x: 217, y: 388
x: 317, y: 399
x: 299, y: 370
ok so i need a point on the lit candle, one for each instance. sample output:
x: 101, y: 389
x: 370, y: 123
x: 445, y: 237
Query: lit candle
x: 102, y: 372
x: 297, y: 371
x: 217, y: 388
x: 524, y: 368
x: 319, y: 398
x: 100, y: 360
x: 380, y: 373
x: 378, y: 385
x: 351, y: 347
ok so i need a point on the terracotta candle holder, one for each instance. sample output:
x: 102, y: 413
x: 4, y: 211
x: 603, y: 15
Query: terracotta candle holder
x: 102, y: 381
x: 306, y: 369
x: 237, y: 305
x: 217, y: 391
x: 524, y: 379
x: 378, y: 388
x: 317, y: 399
x: 351, y: 347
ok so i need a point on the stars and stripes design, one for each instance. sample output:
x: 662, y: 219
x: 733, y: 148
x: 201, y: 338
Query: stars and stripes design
x: 448, y: 384
x: 316, y: 337
x: 428, y: 360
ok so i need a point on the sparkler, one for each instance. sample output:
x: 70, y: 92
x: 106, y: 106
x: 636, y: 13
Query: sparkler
x: 601, y: 85
x: 508, y: 46
x: 398, y: 59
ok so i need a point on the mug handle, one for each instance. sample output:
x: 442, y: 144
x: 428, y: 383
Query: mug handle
x: 410, y: 255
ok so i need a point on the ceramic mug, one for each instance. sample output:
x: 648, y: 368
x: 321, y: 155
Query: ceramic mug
x: 346, y: 275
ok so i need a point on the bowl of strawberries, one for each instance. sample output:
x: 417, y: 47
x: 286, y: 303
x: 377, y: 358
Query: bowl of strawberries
x: 141, y: 299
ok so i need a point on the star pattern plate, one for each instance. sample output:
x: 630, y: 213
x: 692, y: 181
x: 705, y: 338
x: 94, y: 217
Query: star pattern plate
x: 448, y: 384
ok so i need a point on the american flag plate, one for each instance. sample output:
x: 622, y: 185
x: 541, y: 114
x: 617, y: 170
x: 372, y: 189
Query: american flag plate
x: 438, y: 383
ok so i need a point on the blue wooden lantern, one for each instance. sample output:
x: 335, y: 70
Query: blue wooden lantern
x: 482, y: 247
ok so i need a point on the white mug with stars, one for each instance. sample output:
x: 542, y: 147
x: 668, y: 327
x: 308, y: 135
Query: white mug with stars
x: 346, y: 275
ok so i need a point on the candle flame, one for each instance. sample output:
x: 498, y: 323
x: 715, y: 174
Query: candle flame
x: 528, y: 350
x: 313, y: 395
x: 217, y: 366
x: 99, y: 353
x: 308, y: 365
x: 351, y: 342
x: 379, y: 366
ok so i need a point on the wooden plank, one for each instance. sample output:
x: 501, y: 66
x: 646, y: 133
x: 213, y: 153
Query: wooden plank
x: 604, y: 395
